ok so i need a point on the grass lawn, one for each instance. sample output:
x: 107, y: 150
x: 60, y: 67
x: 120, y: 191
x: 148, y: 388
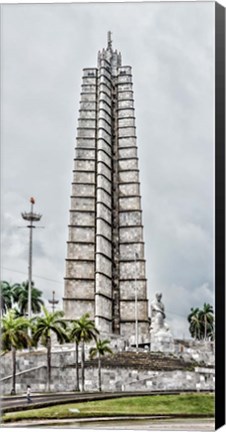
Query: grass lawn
x: 193, y: 403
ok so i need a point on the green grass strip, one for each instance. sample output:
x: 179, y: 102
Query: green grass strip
x: 184, y: 404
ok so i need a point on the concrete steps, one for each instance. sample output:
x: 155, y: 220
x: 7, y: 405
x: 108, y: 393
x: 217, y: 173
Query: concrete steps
x: 145, y: 361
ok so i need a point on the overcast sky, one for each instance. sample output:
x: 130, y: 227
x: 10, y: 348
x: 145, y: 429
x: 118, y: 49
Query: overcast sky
x: 170, y: 47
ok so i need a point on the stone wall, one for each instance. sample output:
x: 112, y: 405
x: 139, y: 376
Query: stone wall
x: 32, y: 370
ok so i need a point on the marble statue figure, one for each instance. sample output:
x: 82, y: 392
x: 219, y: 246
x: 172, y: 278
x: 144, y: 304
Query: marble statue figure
x: 158, y: 314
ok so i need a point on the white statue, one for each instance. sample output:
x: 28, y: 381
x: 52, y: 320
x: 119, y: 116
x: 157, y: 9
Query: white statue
x: 161, y: 336
x: 158, y: 314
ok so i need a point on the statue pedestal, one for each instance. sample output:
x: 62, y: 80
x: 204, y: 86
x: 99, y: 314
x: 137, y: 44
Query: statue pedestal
x: 162, y: 340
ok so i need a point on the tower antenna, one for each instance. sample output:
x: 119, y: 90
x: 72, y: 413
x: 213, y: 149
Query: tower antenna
x: 109, y: 40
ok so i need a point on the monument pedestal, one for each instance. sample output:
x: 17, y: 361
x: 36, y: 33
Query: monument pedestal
x: 163, y: 341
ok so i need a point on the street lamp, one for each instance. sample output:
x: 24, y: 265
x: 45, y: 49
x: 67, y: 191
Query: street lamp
x: 53, y: 301
x: 31, y: 217
x: 135, y: 292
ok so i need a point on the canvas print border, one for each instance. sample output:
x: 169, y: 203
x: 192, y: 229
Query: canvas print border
x: 219, y: 211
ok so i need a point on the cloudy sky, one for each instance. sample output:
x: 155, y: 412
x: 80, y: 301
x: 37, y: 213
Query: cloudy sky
x: 170, y: 47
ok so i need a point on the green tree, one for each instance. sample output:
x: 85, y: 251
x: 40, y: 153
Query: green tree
x: 101, y: 348
x: 20, y: 293
x: 74, y: 335
x: 207, y: 318
x: 44, y: 326
x: 7, y: 296
x: 14, y: 336
x: 85, y: 333
x: 201, y: 322
x: 195, y: 323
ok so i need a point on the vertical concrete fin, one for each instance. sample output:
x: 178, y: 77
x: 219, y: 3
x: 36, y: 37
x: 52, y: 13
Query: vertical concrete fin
x: 79, y: 286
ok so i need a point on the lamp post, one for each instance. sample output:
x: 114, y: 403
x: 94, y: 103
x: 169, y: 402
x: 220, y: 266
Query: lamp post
x: 53, y: 301
x: 31, y: 217
x: 135, y: 294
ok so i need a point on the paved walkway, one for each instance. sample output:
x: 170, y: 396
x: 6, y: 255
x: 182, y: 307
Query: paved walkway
x: 118, y: 423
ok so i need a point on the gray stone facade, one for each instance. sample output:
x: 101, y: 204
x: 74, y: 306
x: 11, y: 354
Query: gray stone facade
x: 117, y: 379
x: 31, y: 370
x: 105, y: 228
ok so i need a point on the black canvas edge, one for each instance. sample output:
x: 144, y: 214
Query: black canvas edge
x: 219, y: 215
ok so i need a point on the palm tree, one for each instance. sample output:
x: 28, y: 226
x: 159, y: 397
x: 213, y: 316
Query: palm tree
x: 17, y: 312
x: 74, y: 335
x: 86, y: 332
x: 7, y: 296
x: 211, y: 331
x: 44, y: 326
x: 195, y: 323
x: 14, y: 336
x: 201, y: 322
x: 99, y: 350
x: 196, y: 326
x: 206, y: 315
x: 20, y: 293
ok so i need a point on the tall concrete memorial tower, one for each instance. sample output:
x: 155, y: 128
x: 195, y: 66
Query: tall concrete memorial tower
x: 105, y: 265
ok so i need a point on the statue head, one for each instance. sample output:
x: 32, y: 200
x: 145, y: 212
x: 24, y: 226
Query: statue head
x: 158, y: 296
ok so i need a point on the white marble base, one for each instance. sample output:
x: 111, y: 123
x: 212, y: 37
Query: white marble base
x: 162, y: 341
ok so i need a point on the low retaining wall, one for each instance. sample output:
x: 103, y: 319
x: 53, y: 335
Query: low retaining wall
x: 31, y: 370
x: 113, y: 379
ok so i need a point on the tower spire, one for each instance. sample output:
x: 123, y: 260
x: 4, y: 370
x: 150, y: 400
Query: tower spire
x: 109, y: 40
